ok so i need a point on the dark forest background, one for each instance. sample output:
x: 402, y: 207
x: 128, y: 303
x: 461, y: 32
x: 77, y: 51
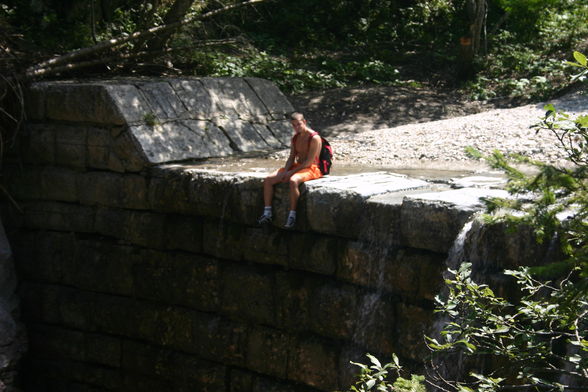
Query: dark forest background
x: 489, y: 48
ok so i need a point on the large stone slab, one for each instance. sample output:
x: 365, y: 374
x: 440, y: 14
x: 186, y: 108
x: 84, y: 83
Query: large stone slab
x: 432, y: 220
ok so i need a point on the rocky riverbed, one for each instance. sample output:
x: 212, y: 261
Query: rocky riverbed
x: 438, y: 137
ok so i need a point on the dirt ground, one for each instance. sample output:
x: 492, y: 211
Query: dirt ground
x: 350, y: 110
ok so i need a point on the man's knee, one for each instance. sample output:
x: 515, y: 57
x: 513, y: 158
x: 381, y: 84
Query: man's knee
x: 294, y: 182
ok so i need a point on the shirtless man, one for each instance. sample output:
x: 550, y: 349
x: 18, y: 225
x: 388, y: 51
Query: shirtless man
x: 301, y: 166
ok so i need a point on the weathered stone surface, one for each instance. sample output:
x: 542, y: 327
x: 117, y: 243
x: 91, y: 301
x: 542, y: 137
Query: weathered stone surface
x: 162, y: 101
x: 293, y: 296
x: 58, y: 216
x: 282, y: 130
x: 258, y: 304
x: 37, y: 144
x: 84, y: 103
x: 314, y: 363
x: 181, y: 371
x: 243, y: 136
x: 267, y: 351
x: 275, y: 102
x: 197, y: 98
x: 70, y: 146
x: 334, y: 310
x: 139, y: 228
x: 265, y: 246
x: 432, y: 220
x: 129, y: 103
x: 113, y: 190
x: 311, y: 253
x: 190, y: 280
x: 412, y: 324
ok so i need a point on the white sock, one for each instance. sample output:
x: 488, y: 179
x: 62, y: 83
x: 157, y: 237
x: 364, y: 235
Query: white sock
x: 292, y: 214
x: 267, y: 211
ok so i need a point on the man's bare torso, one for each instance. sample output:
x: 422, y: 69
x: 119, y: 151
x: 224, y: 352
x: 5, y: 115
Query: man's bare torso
x: 302, y: 145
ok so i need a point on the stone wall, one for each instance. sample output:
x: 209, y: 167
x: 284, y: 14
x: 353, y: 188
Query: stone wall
x: 137, y: 274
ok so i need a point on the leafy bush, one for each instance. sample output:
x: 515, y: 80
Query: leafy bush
x: 378, y: 377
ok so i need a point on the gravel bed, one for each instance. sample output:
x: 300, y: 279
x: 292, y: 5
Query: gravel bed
x: 441, y: 144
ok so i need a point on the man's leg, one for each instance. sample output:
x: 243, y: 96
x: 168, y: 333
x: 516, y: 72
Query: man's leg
x: 268, y: 194
x: 311, y: 173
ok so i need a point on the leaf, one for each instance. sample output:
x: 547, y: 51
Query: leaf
x: 374, y: 360
x: 580, y: 58
x: 370, y: 384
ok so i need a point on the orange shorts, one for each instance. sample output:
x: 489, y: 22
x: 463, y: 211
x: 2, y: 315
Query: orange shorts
x: 310, y: 173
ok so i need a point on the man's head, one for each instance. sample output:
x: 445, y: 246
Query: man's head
x: 298, y: 122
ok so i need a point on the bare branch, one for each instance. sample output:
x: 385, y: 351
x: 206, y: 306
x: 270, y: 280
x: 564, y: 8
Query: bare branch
x: 41, y: 68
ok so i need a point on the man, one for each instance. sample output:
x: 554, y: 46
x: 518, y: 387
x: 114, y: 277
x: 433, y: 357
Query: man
x: 301, y: 166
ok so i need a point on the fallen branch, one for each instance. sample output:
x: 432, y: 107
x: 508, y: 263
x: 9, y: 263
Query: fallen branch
x: 41, y: 69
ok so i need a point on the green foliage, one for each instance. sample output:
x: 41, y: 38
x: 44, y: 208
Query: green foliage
x: 378, y: 377
x: 542, y: 336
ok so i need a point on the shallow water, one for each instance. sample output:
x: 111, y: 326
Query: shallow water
x: 443, y: 172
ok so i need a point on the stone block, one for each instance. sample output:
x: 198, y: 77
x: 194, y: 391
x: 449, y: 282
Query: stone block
x: 34, y: 97
x: 139, y: 228
x: 243, y: 136
x: 181, y: 279
x: 102, y: 267
x: 223, y: 104
x: 128, y: 153
x: 58, y: 216
x: 492, y: 248
x: 197, y: 99
x: 177, y: 368
x: 237, y: 93
x: 52, y: 342
x: 48, y: 259
x: 23, y: 182
x: 183, y: 233
x: 163, y: 102
x: 375, y: 323
x: 223, y: 239
x: 113, y: 190
x: 276, y: 103
x: 58, y: 184
x: 380, y: 221
x: 170, y: 191
x: 313, y: 253
x: 314, y: 362
x: 294, y: 293
x: 218, y: 339
x: 37, y: 144
x: 180, y: 140
x: 282, y: 131
x: 129, y: 104
x: 258, y: 305
x: 334, y: 310
x: 268, y: 136
x: 413, y: 323
x: 70, y: 146
x: 65, y: 375
x: 84, y: 103
x: 100, y: 150
x: 265, y: 246
x: 267, y: 351
x: 330, y: 211
x: 39, y: 302
x: 432, y: 221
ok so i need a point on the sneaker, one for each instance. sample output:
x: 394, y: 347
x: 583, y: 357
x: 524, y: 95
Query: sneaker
x: 264, y: 219
x: 290, y: 222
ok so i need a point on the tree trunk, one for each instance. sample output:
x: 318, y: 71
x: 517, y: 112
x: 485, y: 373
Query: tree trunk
x: 470, y: 44
x: 176, y: 13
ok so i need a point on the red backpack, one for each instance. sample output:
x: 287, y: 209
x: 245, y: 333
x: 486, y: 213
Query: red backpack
x: 325, y: 157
